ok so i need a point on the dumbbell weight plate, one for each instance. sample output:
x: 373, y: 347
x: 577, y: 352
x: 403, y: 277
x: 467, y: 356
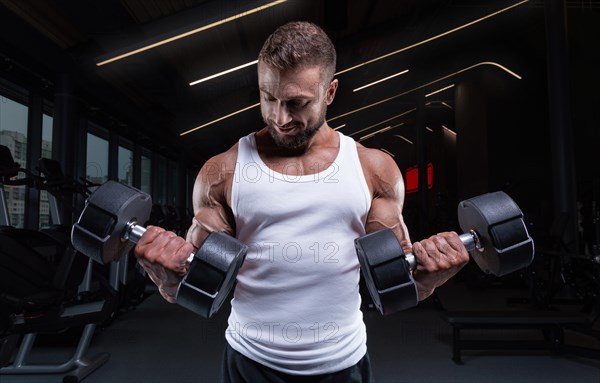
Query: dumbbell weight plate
x: 212, y: 274
x: 99, y: 230
x: 386, y: 272
x: 498, y: 221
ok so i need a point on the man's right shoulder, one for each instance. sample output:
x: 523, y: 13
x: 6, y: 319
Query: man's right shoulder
x: 222, y: 163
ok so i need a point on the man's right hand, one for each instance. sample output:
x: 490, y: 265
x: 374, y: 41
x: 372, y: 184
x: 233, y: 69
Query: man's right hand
x: 164, y: 256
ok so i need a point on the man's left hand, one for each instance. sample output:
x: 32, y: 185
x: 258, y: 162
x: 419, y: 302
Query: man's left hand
x: 438, y: 258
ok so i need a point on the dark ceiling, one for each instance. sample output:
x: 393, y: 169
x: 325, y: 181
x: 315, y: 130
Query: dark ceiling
x: 147, y: 97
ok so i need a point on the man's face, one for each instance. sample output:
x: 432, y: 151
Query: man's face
x: 293, y: 103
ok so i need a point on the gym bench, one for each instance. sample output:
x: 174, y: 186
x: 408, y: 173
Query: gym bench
x: 551, y: 323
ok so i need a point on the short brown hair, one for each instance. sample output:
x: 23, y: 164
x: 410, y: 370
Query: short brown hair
x: 299, y: 43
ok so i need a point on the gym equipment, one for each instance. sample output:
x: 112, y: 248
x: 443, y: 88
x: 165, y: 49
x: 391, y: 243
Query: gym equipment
x: 34, y: 264
x: 108, y: 228
x: 9, y: 170
x: 495, y: 235
x: 43, y: 289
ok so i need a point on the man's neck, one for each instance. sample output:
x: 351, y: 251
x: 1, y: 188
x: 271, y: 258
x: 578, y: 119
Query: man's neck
x: 325, y: 136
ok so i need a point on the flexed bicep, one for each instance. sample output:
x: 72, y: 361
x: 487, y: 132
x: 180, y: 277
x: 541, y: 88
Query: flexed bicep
x: 211, y: 199
x: 385, y: 214
x: 387, y: 187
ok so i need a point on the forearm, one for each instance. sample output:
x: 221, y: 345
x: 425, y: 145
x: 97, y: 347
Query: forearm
x: 166, y: 280
x: 164, y: 256
x: 427, y: 286
x: 439, y: 258
x: 424, y: 290
x: 399, y: 229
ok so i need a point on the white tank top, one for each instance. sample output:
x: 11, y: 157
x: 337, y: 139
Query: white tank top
x: 296, y: 305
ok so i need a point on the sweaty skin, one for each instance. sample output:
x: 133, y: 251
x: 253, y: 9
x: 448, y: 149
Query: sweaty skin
x: 297, y: 141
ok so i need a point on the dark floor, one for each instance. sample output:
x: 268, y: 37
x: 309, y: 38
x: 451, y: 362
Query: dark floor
x: 160, y: 342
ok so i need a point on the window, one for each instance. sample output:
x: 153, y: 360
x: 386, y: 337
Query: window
x: 97, y: 159
x: 125, y: 165
x: 146, y: 175
x: 47, y: 136
x: 44, y: 220
x: 13, y: 134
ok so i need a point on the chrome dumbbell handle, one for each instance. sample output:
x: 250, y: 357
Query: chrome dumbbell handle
x: 133, y: 232
x: 470, y: 240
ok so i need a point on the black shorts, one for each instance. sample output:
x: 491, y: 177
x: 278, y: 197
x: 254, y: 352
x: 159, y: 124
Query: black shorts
x: 237, y: 368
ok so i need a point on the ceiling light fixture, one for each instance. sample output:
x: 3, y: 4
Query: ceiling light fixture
x: 426, y: 85
x: 439, y: 90
x: 380, y: 131
x: 339, y: 127
x: 378, y: 81
x: 452, y: 132
x: 188, y: 33
x: 219, y: 119
x: 389, y: 127
x: 222, y: 73
x: 382, y: 122
x: 433, y: 38
x: 430, y: 103
x: 404, y: 138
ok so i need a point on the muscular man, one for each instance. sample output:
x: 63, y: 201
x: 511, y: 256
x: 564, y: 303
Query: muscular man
x: 297, y: 193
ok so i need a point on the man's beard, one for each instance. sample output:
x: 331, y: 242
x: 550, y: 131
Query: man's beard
x: 299, y: 140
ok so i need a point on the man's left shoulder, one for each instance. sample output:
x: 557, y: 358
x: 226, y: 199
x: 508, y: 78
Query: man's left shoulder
x: 374, y: 158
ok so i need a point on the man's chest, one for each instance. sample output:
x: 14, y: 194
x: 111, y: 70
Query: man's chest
x: 307, y: 164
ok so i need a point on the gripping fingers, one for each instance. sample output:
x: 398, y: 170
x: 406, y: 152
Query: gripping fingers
x: 175, y: 254
x: 424, y: 252
x: 151, y: 233
x: 454, y: 249
x: 440, y: 252
x: 144, y: 242
x: 457, y: 247
x: 163, y: 247
x: 162, y: 244
x: 151, y: 243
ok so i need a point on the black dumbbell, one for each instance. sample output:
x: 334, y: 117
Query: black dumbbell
x: 495, y: 234
x: 108, y: 228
